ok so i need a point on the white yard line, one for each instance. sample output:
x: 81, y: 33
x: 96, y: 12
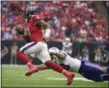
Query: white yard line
x: 78, y: 79
x: 58, y: 79
x: 4, y: 65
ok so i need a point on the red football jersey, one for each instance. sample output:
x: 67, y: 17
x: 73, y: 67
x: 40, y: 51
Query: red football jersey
x: 35, y: 31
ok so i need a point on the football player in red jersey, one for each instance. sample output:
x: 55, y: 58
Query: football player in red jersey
x: 37, y: 45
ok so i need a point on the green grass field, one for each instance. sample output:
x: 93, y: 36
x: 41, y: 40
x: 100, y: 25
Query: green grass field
x: 13, y: 76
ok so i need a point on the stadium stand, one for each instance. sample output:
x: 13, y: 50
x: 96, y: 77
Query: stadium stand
x: 81, y: 21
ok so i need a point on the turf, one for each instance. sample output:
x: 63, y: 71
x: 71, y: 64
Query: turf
x: 13, y: 76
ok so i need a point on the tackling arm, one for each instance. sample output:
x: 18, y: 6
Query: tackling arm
x: 55, y: 51
x: 60, y: 55
x: 43, y: 66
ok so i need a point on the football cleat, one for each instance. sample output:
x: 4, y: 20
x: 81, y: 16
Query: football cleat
x: 31, y: 71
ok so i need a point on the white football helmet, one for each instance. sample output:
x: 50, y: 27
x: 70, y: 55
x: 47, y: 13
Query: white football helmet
x: 53, y: 50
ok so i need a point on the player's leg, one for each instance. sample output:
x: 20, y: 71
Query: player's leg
x: 40, y: 49
x: 22, y: 55
x: 92, y: 71
x: 105, y: 75
x: 102, y: 74
x: 45, y: 58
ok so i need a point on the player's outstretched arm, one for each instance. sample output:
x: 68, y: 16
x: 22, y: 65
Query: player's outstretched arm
x: 55, y: 51
x: 60, y: 55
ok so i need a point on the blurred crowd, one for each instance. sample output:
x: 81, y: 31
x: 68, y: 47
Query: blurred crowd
x: 78, y: 20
